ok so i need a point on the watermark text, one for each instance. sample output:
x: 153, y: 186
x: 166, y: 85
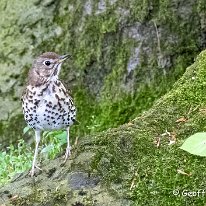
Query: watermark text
x: 189, y: 193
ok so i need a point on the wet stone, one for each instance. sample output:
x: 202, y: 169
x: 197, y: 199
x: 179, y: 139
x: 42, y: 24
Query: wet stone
x: 80, y: 180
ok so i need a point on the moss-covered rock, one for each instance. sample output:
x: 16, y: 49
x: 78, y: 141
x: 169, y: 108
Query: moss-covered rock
x: 125, y: 53
x: 134, y: 163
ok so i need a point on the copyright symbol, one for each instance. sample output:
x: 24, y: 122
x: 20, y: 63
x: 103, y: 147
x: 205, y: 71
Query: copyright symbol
x: 176, y: 192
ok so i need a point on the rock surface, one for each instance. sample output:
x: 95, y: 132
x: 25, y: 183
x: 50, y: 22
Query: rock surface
x: 73, y: 183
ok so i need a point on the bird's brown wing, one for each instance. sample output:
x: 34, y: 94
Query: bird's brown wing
x: 24, y: 94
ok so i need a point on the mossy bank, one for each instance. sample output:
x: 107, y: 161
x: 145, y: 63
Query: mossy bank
x: 125, y: 54
x: 133, y: 164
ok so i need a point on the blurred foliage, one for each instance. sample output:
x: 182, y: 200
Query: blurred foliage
x: 17, y: 159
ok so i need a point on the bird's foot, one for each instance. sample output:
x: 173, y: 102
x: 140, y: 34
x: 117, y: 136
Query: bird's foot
x: 32, y: 171
x: 67, y: 154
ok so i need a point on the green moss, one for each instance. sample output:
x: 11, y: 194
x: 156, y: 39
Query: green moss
x: 12, y: 129
x: 87, y: 108
x: 131, y: 158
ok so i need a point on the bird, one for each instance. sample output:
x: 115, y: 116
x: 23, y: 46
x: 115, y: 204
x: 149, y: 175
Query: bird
x: 47, y: 104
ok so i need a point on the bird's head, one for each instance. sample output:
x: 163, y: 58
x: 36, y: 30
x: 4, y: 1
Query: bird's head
x: 46, y: 68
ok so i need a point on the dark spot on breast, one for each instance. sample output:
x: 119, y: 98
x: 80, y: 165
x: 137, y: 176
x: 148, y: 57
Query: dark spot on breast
x: 57, y: 97
x: 42, y: 91
x: 71, y: 102
x: 36, y: 102
x: 47, y: 105
x: 59, y: 104
x: 57, y: 83
x: 53, y: 88
x: 64, y: 91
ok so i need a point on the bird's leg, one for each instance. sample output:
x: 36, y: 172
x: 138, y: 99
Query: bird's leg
x: 68, y: 149
x: 37, y: 139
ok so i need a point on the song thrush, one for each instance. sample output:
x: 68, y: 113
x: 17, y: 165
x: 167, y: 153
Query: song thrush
x: 47, y: 105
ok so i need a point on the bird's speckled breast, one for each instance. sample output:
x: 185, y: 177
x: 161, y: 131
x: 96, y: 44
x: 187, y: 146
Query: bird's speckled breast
x: 48, y: 107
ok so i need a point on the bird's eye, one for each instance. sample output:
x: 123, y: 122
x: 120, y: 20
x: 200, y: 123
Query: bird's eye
x: 47, y: 63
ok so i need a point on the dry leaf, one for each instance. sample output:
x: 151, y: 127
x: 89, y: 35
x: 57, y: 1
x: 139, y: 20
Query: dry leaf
x: 76, y: 140
x: 166, y: 133
x: 133, y: 181
x: 172, y: 138
x: 14, y: 197
x: 182, y: 119
x: 157, y: 142
x: 170, y: 135
x: 203, y: 111
x: 130, y: 124
x: 183, y: 173
x: 132, y: 185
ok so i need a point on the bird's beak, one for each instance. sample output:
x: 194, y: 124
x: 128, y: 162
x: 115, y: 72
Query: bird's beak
x: 64, y: 57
